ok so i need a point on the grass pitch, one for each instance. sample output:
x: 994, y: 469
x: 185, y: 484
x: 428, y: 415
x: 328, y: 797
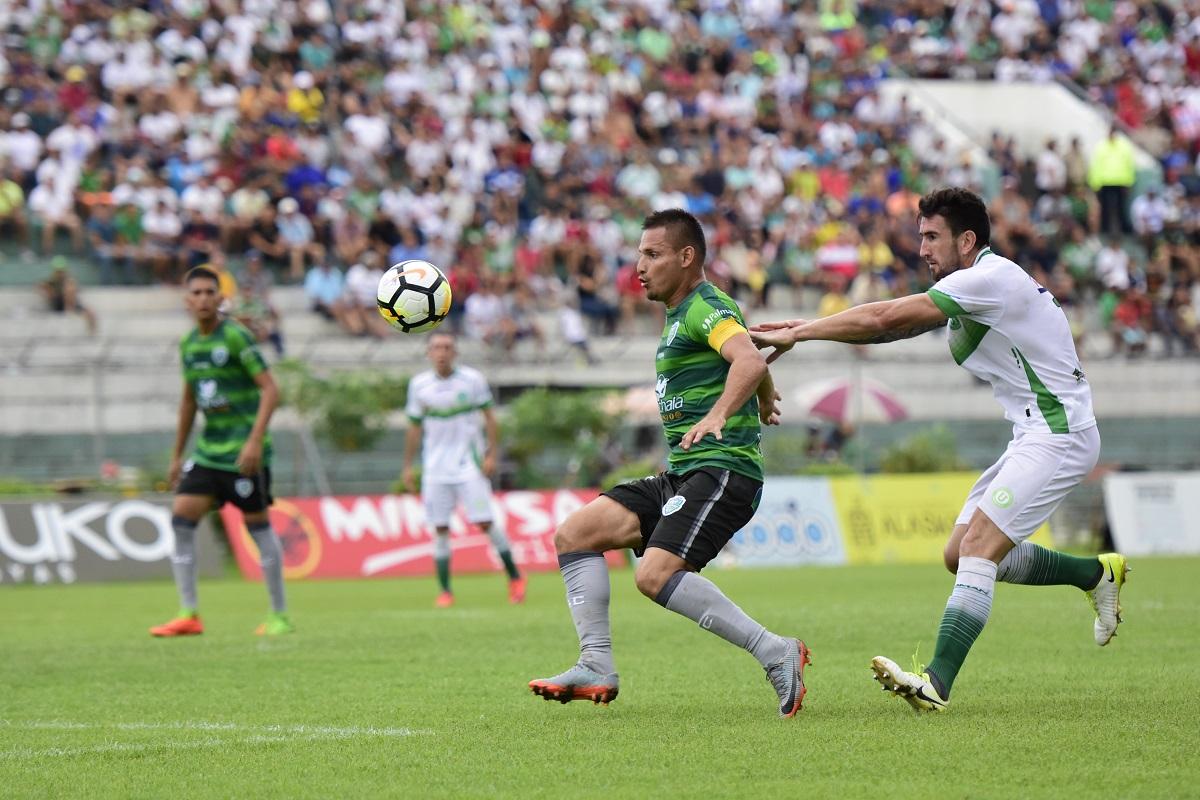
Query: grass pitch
x: 379, y: 694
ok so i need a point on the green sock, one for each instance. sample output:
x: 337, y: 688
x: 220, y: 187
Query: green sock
x: 443, y: 573
x: 966, y: 613
x: 1032, y: 565
x: 509, y: 565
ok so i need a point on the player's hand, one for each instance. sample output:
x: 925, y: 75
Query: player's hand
x: 406, y: 479
x: 249, y: 461
x: 173, y: 472
x: 712, y: 423
x: 782, y: 339
x: 768, y: 412
x: 489, y: 464
x: 778, y: 325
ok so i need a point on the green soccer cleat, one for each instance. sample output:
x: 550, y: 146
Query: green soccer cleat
x: 1106, y: 597
x: 915, y: 687
x: 276, y: 624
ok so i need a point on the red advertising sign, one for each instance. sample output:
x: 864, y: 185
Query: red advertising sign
x: 386, y: 535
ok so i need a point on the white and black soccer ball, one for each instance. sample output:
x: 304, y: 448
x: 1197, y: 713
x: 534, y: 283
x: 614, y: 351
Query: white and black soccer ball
x: 414, y: 296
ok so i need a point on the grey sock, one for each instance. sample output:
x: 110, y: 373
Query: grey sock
x: 183, y: 562
x: 701, y: 601
x: 270, y: 556
x: 586, y: 577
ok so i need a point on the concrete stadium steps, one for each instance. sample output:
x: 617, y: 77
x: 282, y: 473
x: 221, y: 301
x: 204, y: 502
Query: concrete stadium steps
x: 54, y: 377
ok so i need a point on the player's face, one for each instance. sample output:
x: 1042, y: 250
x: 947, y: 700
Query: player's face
x: 940, y: 248
x: 660, y: 266
x: 203, y: 298
x: 441, y: 352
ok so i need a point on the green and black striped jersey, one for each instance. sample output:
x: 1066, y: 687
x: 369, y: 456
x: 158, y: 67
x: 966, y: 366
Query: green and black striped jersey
x: 691, y: 376
x: 221, y: 368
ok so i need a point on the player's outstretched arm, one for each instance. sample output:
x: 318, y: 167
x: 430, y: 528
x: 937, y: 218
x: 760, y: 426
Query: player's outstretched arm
x: 183, y: 429
x: 871, y: 323
x: 249, y: 460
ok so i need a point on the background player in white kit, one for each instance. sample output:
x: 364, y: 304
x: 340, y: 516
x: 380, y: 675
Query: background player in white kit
x: 450, y: 408
x: 1008, y: 330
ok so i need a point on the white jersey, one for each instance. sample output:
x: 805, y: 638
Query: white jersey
x: 1009, y: 331
x: 449, y: 412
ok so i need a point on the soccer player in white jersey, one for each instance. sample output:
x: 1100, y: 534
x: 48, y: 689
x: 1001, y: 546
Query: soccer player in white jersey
x: 450, y: 408
x: 1009, y: 331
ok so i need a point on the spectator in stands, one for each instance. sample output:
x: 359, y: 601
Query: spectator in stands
x: 52, y: 208
x: 361, y: 304
x: 324, y: 287
x: 163, y: 229
x: 253, y: 306
x: 298, y: 238
x: 102, y: 241
x: 1183, y: 322
x: 13, y: 221
x: 1131, y: 321
x: 62, y: 294
x: 1111, y: 175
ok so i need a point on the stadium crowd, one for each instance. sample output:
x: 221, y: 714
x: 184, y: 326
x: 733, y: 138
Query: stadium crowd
x: 519, y: 144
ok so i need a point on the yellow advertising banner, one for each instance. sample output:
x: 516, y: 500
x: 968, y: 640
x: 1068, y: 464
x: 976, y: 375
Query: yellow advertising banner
x: 902, y: 519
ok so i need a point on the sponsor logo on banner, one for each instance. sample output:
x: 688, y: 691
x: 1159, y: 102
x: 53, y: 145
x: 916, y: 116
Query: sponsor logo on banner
x: 386, y: 535
x: 65, y: 542
x: 795, y: 524
x: 903, y: 518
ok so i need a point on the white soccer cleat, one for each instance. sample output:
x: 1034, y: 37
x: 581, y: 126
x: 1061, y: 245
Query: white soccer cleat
x: 917, y: 689
x: 1106, y: 597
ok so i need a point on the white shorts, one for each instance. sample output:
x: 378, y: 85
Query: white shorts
x: 441, y: 498
x: 1021, y: 490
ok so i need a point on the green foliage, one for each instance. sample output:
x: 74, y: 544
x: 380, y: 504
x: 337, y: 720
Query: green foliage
x: 349, y: 409
x: 16, y: 486
x: 825, y: 468
x: 630, y: 471
x: 931, y: 450
x: 545, y: 427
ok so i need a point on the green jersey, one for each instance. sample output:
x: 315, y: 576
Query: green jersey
x: 220, y: 369
x: 691, y: 376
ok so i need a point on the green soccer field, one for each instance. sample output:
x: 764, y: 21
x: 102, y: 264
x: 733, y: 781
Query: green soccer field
x: 379, y: 694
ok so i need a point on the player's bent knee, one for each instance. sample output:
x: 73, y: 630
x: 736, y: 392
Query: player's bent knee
x: 950, y: 556
x: 651, y: 579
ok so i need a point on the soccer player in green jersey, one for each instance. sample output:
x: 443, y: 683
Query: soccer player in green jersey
x: 225, y: 376
x: 1006, y: 329
x: 714, y: 393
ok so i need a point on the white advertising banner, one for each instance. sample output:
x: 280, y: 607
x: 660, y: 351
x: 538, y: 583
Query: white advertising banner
x: 796, y: 523
x: 1154, y: 513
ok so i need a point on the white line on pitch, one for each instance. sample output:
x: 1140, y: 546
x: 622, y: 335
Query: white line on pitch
x: 258, y: 734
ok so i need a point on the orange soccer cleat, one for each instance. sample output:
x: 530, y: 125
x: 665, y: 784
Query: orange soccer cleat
x: 186, y: 624
x: 444, y: 600
x: 516, y: 591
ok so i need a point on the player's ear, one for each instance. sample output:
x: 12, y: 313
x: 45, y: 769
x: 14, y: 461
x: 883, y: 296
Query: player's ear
x: 689, y: 255
x: 967, y: 243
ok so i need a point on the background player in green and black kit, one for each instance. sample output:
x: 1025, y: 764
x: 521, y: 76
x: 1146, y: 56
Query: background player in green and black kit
x: 709, y: 373
x: 225, y: 376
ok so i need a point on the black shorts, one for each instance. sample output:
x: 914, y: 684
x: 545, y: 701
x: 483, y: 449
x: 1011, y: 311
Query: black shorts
x: 249, y: 493
x: 691, y: 515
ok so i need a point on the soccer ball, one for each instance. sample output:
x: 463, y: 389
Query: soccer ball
x: 414, y: 296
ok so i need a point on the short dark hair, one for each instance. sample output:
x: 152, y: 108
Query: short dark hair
x: 963, y: 211
x: 682, y: 229
x: 201, y: 273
